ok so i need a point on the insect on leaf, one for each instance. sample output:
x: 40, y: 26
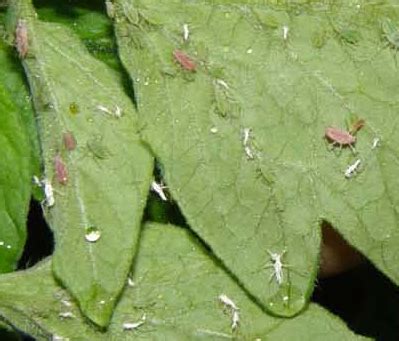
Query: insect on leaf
x: 93, y: 197
x: 248, y: 194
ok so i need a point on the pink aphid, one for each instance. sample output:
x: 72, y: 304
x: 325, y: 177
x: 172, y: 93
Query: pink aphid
x: 21, y: 38
x: 69, y: 141
x: 60, y: 170
x: 184, y: 60
x: 339, y: 137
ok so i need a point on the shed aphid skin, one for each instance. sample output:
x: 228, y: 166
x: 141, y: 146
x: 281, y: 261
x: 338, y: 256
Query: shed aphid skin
x: 159, y: 189
x: 235, y: 315
x: 286, y: 29
x: 186, y: 32
x: 45, y: 184
x: 21, y: 38
x: 277, y: 265
x: 184, y: 60
x: 245, y: 142
x: 66, y: 315
x: 228, y: 302
x: 375, y: 143
x: 60, y: 170
x: 340, y: 137
x: 235, y: 320
x: 117, y: 113
x: 134, y: 325
x: 352, y: 169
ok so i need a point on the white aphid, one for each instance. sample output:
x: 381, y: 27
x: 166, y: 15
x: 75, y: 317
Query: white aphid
x: 245, y: 142
x: 45, y: 184
x: 116, y: 113
x: 159, y: 189
x: 66, y: 315
x: 229, y: 303
x: 286, y: 29
x: 246, y: 133
x: 130, y: 282
x: 222, y: 83
x: 186, y: 32
x: 277, y: 265
x: 134, y: 325
x: 350, y: 171
x: 66, y: 303
x: 235, y: 320
x: 376, y: 142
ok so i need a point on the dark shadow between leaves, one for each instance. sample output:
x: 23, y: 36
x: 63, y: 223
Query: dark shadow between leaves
x: 361, y: 296
x: 40, y: 241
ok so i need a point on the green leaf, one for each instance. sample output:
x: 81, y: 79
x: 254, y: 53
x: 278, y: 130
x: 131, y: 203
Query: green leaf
x: 282, y: 73
x: 15, y: 179
x: 176, y: 286
x: 100, y: 185
x: 12, y: 78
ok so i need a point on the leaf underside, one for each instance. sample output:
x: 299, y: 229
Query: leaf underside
x: 279, y: 74
x: 175, y: 286
x: 108, y: 172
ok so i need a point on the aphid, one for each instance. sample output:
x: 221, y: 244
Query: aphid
x: 340, y: 137
x: 69, y: 141
x: 228, y: 302
x: 235, y: 320
x: 285, y: 32
x: 277, y: 265
x: 109, y: 8
x: 117, y: 113
x: 350, y: 171
x: 48, y: 192
x: 356, y: 126
x: 245, y: 141
x: 235, y: 315
x: 60, y: 170
x: 21, y: 38
x: 184, y: 60
x: 66, y: 315
x: 376, y: 142
x: 158, y: 188
x: 45, y: 184
x: 186, y: 32
x: 134, y: 325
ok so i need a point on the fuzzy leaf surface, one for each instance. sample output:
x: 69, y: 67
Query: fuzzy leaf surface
x: 100, y: 185
x: 15, y: 181
x: 241, y: 137
x: 177, y: 304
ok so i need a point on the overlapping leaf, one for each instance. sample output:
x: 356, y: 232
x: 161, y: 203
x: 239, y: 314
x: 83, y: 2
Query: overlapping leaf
x: 241, y: 137
x: 175, y: 285
x: 100, y: 184
x: 15, y: 181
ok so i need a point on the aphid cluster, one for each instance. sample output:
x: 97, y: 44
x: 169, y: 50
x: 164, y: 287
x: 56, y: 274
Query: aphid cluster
x: 234, y: 310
